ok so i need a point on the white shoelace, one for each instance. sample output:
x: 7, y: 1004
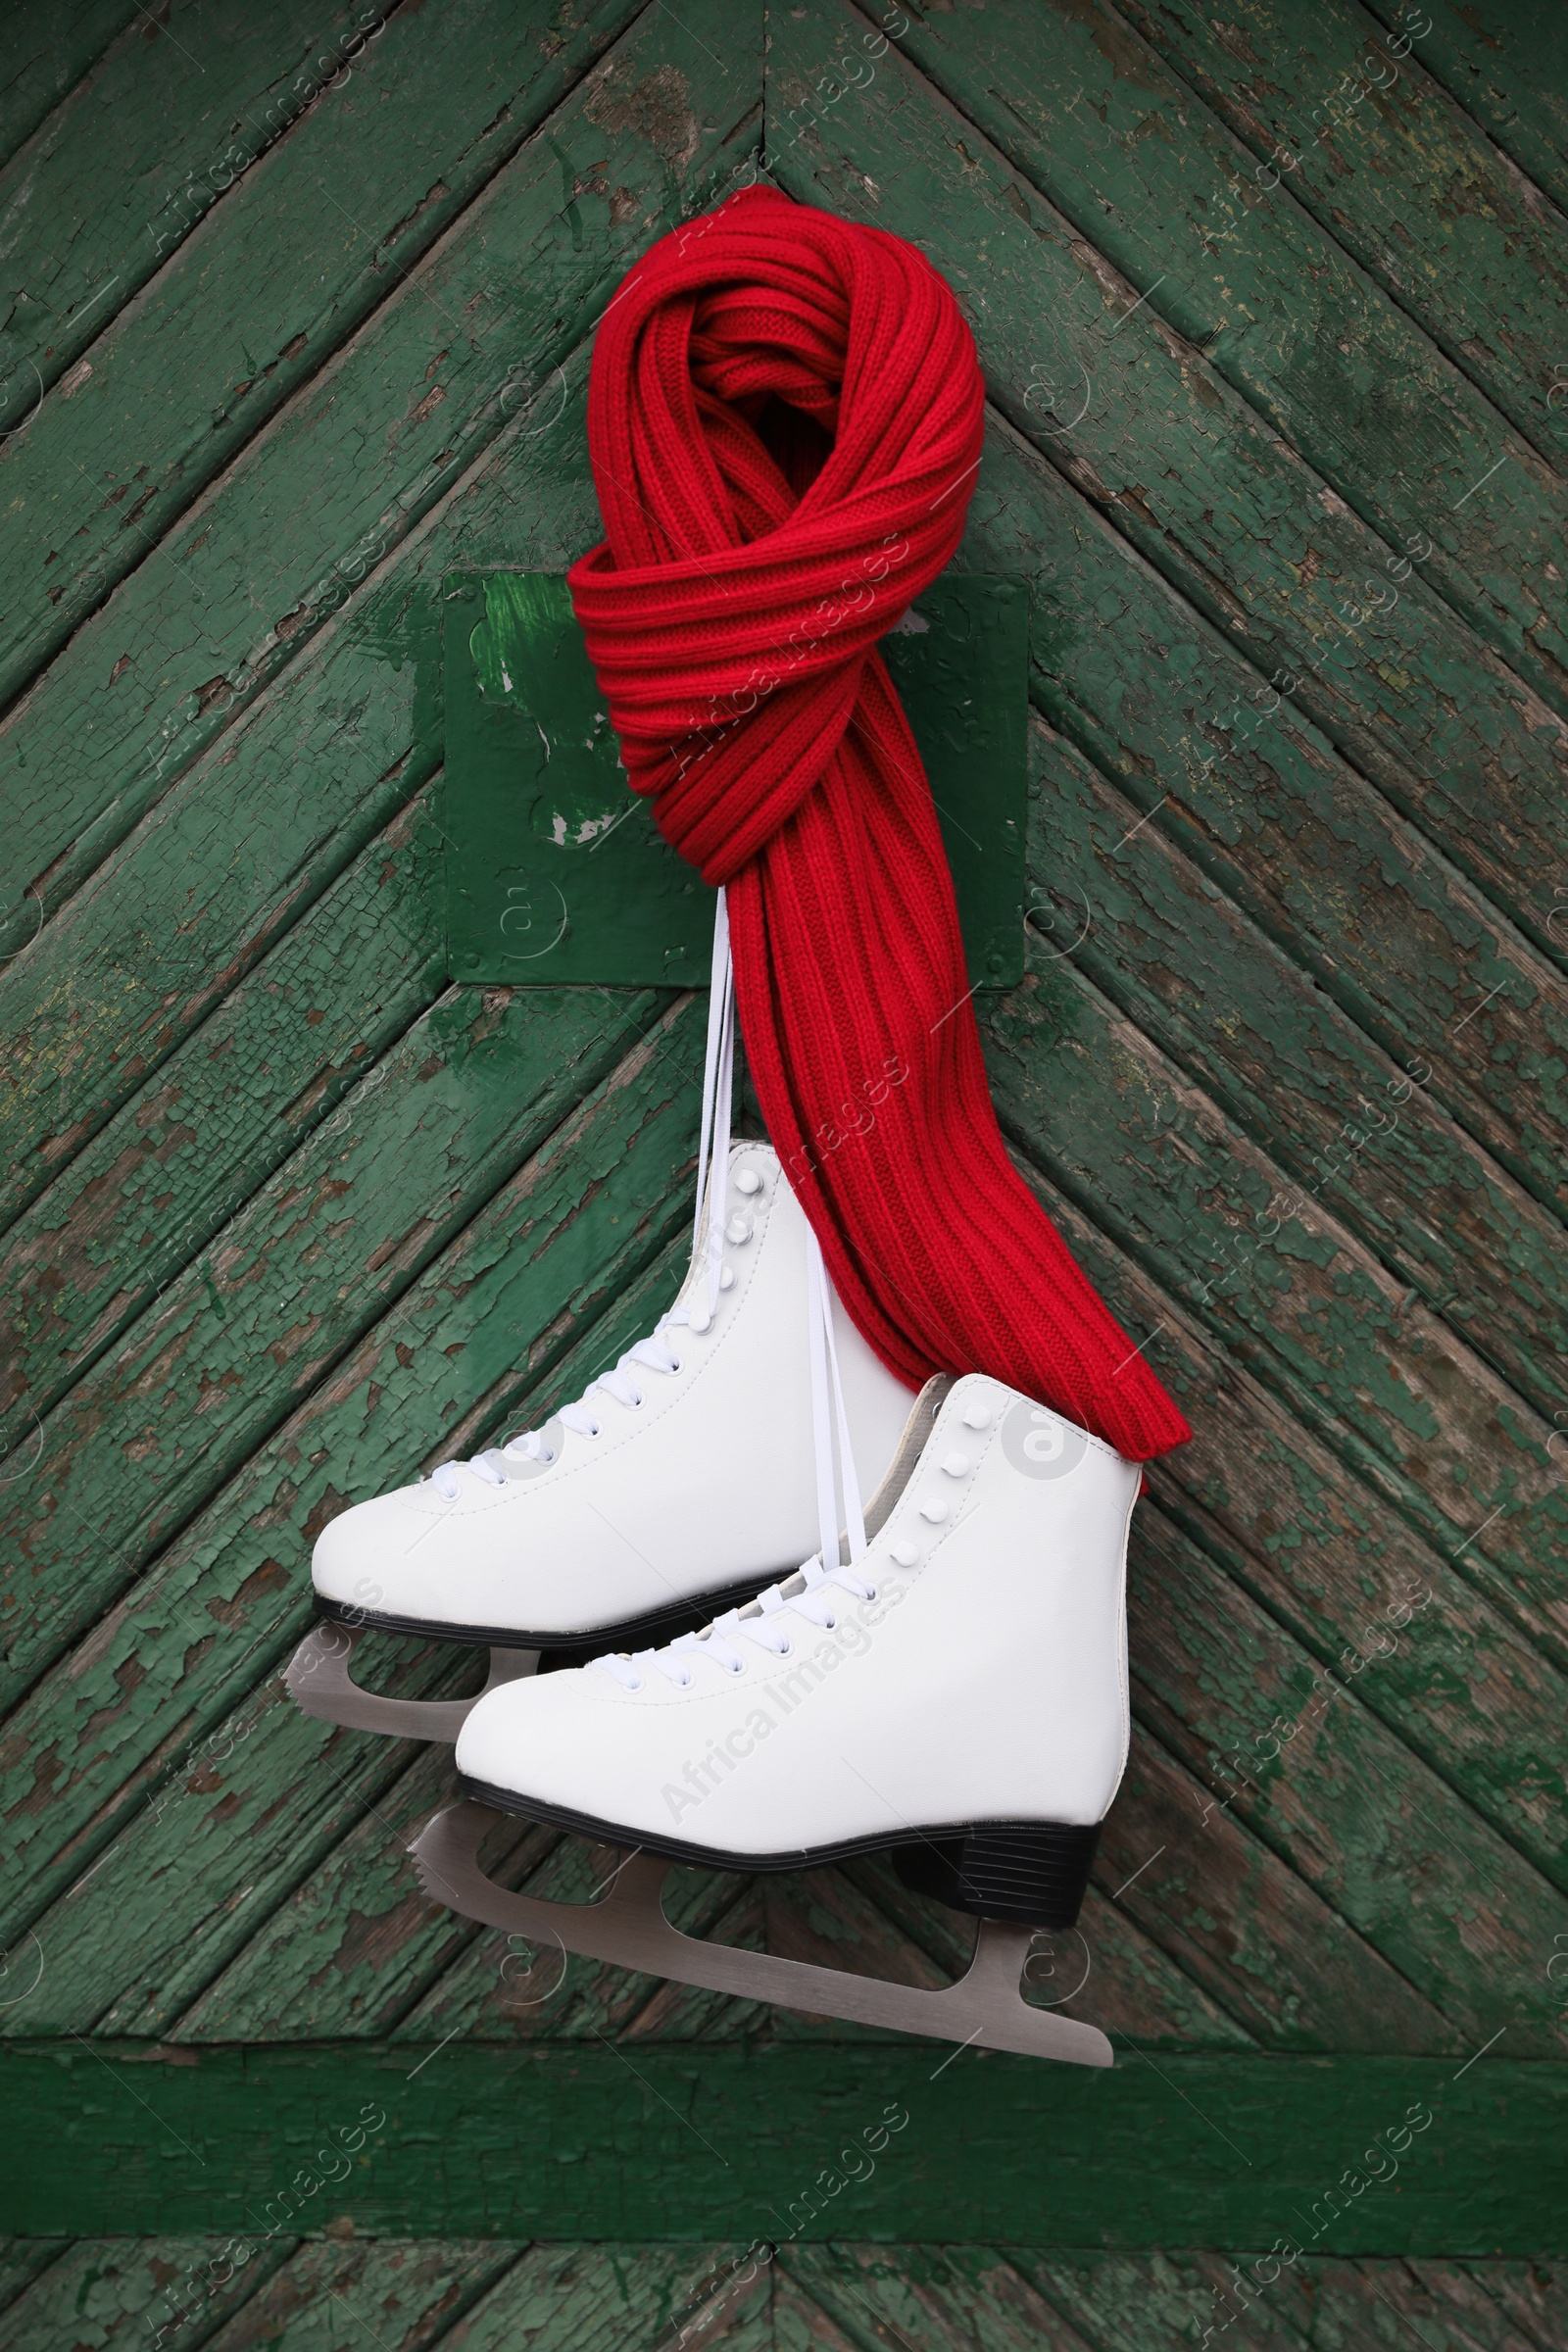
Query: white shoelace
x: 830, y: 1428
x: 654, y: 1353
x: 806, y: 1594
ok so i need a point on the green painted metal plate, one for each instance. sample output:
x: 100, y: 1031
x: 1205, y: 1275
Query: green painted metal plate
x: 556, y: 872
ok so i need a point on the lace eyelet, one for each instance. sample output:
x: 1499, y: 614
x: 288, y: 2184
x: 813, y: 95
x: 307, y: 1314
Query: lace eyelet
x: 830, y: 1625
x: 686, y: 1679
x: 593, y: 1432
x: 637, y: 1403
x: 636, y: 1686
x: 738, y: 1667
x: 677, y: 1366
x: 871, y: 1593
x: 785, y: 1649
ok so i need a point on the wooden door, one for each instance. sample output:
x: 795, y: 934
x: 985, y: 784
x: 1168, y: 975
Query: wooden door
x: 1273, y: 313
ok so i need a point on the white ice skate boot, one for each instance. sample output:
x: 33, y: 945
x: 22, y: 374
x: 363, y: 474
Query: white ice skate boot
x: 684, y: 1473
x: 957, y: 1691
x: 684, y: 1477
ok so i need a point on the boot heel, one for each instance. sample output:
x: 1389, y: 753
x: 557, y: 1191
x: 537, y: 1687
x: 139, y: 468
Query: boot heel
x: 1033, y: 1873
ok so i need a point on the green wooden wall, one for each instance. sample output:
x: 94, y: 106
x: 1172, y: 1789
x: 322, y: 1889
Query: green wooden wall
x: 1273, y: 311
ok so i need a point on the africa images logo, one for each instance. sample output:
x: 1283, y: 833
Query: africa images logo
x: 1041, y: 1445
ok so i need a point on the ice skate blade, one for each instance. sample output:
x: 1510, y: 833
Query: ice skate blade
x: 628, y: 1927
x: 319, y: 1683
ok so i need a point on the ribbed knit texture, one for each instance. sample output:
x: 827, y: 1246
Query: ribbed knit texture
x: 785, y: 418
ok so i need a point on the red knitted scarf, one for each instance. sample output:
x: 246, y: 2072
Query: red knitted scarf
x: 785, y: 419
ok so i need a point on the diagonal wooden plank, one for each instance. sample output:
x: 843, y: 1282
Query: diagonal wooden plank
x: 1508, y: 71
x: 237, y: 1818
x: 355, y: 1945
x: 22, y: 2260
x: 1445, y: 2296
x: 1390, y: 1847
x: 1386, y: 1614
x: 502, y: 1989
x: 1250, y: 535
x: 279, y: 273
x: 1533, y: 2295
x: 1156, y: 2302
x: 1384, y: 2305
x: 889, y: 2296
x: 49, y: 53
x: 1243, y: 1925
x: 400, y: 2296
x: 1106, y: 1971
x: 1169, y: 711
x: 169, y: 124
x: 363, y: 451
x: 1286, y: 1063
x: 92, y: 1023
x: 1384, y: 157
x: 1081, y: 105
x: 338, y: 1234
x: 224, y: 1605
x: 105, y: 2294
x: 180, y: 1159
x: 621, y: 2298
x: 1303, y: 1306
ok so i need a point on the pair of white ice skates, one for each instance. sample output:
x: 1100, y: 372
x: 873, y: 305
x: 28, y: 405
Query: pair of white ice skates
x: 945, y: 1675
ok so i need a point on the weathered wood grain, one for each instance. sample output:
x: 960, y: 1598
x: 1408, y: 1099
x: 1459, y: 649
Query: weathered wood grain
x: 565, y: 2142
x: 614, y: 2298
x: 364, y: 450
x: 141, y: 956
x: 1441, y: 2294
x: 218, y: 873
x: 798, y: 2297
x: 1154, y: 2302
x: 136, y: 153
x: 398, y: 2296
x: 1508, y: 71
x: 238, y: 1816
x: 1133, y: 1990
x: 1534, y: 2296
x: 1304, y: 1306
x: 1165, y: 709
x: 1388, y: 1844
x: 22, y: 2259
x: 360, y: 186
x: 1388, y: 1614
x: 189, y: 1151
x: 354, y: 1944
x: 48, y: 54
x: 110, y: 990
x: 1247, y: 532
x: 1262, y: 1944
x: 495, y: 1993
x: 1092, y: 115
x: 226, y: 1601
x: 102, y: 2295
x: 914, y: 2295
x: 1282, y: 1059
x: 259, y: 1320
x: 1385, y: 158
